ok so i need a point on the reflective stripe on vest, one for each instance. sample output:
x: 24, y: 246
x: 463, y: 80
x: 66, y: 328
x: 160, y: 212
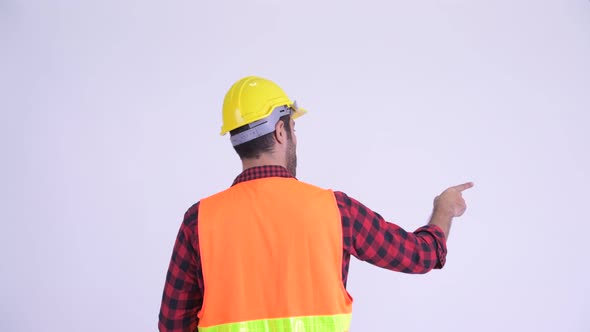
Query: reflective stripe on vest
x: 295, y: 324
x: 271, y: 255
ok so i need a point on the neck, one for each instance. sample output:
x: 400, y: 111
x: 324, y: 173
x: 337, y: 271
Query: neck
x: 264, y: 160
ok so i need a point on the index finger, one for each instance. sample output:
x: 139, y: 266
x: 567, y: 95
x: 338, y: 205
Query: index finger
x: 463, y: 186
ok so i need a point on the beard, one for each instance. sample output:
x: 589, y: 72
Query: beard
x: 292, y: 157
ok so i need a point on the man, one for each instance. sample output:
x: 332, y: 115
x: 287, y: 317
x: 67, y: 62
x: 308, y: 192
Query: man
x: 271, y: 253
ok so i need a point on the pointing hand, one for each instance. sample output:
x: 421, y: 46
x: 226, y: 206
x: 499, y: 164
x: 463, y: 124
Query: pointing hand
x: 450, y: 202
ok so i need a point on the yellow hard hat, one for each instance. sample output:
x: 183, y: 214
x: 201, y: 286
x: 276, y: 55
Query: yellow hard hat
x: 251, y: 99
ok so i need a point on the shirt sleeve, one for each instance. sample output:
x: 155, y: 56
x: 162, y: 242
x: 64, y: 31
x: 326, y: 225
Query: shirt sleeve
x: 183, y: 290
x: 368, y: 237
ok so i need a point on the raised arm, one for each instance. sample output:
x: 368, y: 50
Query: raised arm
x: 370, y: 238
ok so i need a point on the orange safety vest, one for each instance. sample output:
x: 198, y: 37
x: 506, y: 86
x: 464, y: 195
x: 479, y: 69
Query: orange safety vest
x: 271, y: 255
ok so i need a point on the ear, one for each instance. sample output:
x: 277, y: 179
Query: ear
x: 280, y: 132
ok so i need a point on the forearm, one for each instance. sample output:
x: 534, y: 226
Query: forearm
x: 442, y: 219
x: 409, y: 252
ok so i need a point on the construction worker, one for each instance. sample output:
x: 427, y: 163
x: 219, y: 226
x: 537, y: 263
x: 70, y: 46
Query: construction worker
x: 271, y: 253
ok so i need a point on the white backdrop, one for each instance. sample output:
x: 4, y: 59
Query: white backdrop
x: 109, y: 132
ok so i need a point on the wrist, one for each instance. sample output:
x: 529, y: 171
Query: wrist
x: 442, y: 212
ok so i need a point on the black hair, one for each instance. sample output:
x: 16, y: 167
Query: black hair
x: 262, y: 144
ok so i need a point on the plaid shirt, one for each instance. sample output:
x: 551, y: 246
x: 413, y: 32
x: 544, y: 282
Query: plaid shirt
x: 366, y: 235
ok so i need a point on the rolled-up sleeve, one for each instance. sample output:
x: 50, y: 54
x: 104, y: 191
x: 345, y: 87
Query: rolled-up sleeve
x: 370, y: 238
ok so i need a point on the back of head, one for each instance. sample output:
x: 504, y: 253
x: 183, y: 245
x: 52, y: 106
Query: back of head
x: 251, y: 109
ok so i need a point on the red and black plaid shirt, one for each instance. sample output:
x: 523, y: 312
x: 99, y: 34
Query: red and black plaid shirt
x: 366, y: 235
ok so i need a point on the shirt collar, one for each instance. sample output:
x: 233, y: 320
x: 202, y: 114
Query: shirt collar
x: 260, y: 172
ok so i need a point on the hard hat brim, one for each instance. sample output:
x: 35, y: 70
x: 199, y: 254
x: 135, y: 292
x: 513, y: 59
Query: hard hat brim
x: 298, y: 112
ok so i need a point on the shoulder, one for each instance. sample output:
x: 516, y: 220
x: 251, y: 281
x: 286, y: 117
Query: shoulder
x: 191, y: 215
x: 350, y: 206
x: 341, y: 197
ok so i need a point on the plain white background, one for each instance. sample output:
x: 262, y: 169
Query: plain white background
x: 109, y: 132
